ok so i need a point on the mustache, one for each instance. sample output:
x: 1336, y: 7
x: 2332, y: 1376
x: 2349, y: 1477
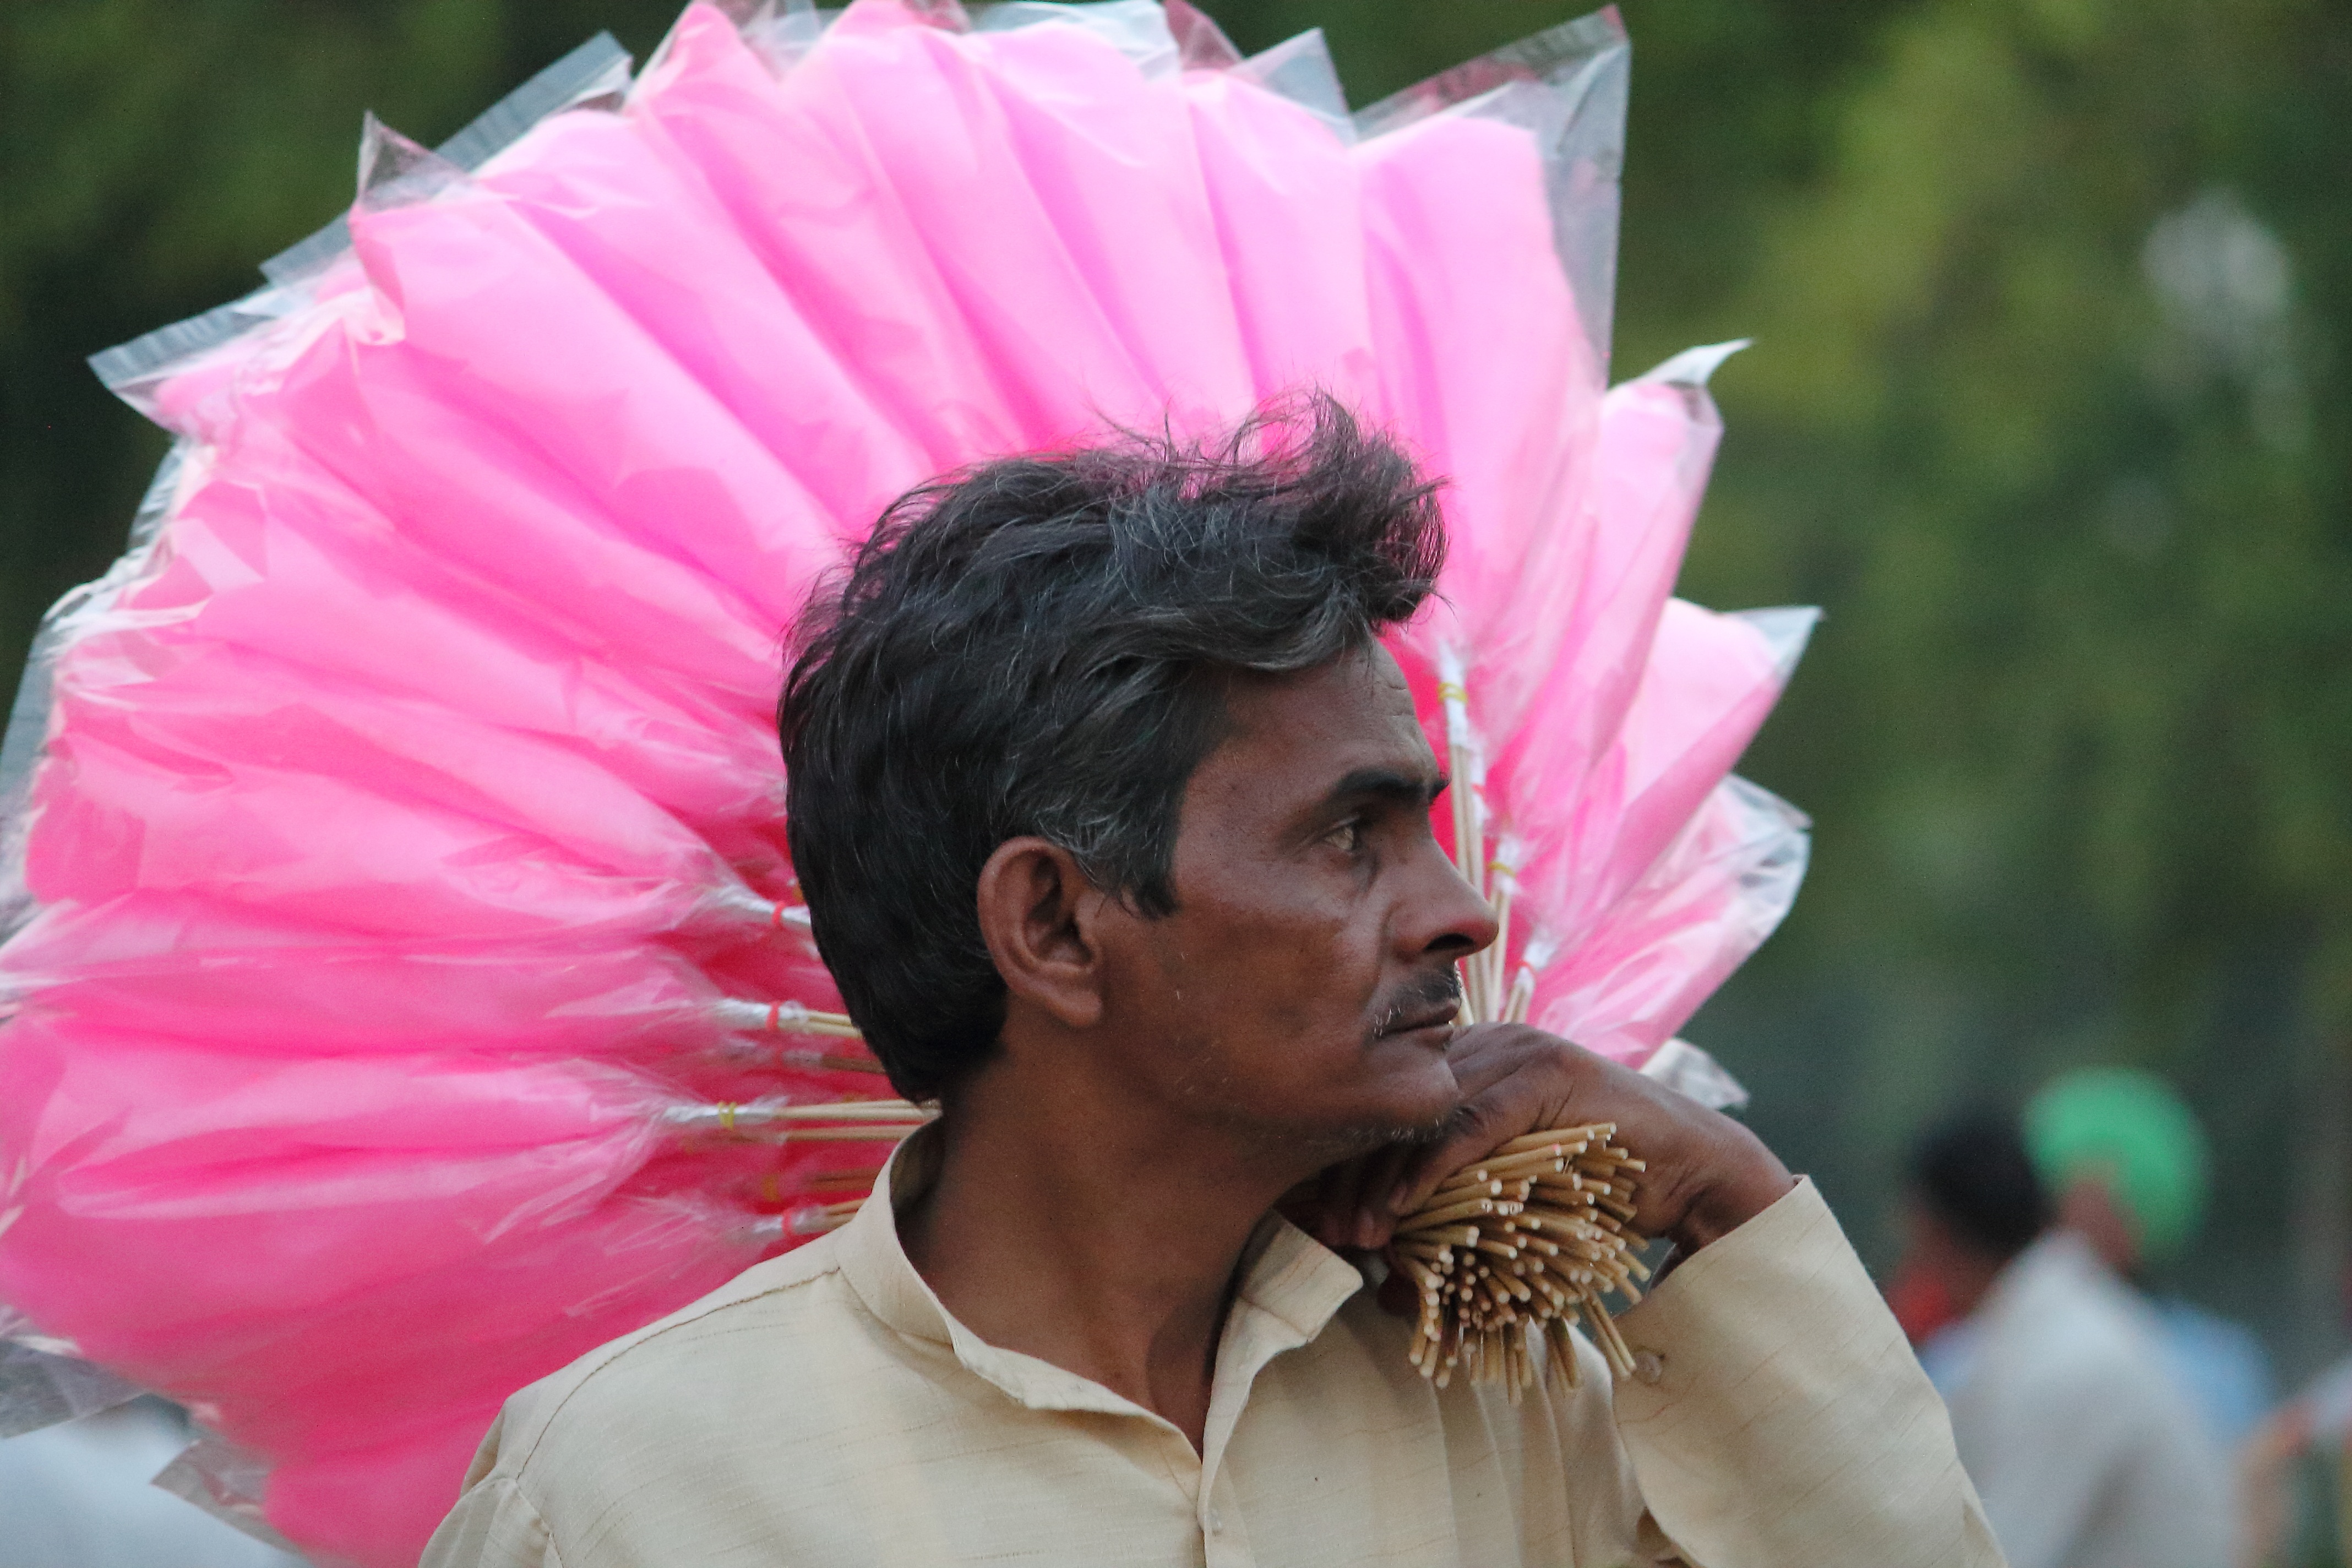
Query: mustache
x: 1418, y: 998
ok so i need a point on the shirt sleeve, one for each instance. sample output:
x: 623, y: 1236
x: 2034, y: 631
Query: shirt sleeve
x: 1777, y: 1419
x: 493, y: 1525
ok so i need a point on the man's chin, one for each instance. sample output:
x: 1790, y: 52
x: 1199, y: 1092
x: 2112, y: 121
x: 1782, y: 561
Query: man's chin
x: 1408, y: 1100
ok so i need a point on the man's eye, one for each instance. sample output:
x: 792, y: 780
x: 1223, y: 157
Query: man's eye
x: 1348, y: 837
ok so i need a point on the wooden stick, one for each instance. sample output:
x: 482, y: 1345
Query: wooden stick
x: 1563, y: 1352
x: 843, y: 1181
x: 832, y: 1062
x: 847, y: 1110
x: 1582, y: 1138
x: 792, y: 1018
x: 878, y: 1133
x: 1505, y: 886
x: 1453, y: 1236
x: 1467, y: 1182
x: 1522, y: 998
x: 1507, y: 1167
x: 1466, y: 1209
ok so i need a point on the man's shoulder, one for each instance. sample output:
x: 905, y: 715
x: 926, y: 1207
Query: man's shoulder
x: 2071, y: 1333
x: 715, y: 1433
x: 753, y: 1338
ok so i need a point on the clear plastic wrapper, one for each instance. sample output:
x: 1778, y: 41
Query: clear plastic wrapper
x: 407, y: 988
x: 44, y: 1381
x: 226, y: 1481
x: 1691, y: 1072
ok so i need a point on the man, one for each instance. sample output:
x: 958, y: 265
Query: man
x: 2317, y: 1421
x: 1973, y: 1204
x: 1112, y: 818
x: 2086, y: 1453
x: 2125, y: 1163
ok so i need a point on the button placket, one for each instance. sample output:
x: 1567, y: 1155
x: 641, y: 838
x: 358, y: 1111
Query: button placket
x: 1224, y: 1539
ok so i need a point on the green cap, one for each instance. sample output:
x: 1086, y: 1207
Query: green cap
x: 2130, y: 1126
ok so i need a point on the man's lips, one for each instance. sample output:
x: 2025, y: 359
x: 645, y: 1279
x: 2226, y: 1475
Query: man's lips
x: 1424, y: 1018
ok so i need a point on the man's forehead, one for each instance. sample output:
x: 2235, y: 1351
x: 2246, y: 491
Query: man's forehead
x: 1353, y: 713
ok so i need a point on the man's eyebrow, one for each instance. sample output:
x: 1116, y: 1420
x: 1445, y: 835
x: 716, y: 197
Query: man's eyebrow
x: 1386, y: 784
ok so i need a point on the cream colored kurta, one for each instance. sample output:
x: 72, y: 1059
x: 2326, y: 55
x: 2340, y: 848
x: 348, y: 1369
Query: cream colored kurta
x: 824, y: 1410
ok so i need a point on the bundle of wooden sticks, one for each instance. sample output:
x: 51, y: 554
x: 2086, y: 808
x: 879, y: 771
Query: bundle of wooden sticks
x: 1510, y: 1252
x: 815, y: 1200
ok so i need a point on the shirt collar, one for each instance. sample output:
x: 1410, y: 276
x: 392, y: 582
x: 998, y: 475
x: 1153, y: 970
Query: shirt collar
x: 1291, y: 1286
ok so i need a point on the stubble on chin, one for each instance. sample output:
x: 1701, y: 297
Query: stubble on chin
x: 1351, y: 1140
x: 1371, y: 1138
x: 1327, y: 1145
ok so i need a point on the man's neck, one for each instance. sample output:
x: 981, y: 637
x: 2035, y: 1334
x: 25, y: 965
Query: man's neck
x: 1074, y: 1231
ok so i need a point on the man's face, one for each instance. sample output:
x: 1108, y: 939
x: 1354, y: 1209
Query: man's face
x: 2089, y: 1206
x: 1303, y: 989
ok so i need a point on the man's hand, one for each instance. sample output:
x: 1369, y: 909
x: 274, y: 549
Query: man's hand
x: 1706, y: 1173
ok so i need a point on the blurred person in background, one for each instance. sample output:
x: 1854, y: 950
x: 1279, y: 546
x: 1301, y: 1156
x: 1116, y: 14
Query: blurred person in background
x: 2316, y: 1423
x: 1972, y: 1205
x: 80, y: 1495
x: 2064, y: 1408
x: 2125, y: 1164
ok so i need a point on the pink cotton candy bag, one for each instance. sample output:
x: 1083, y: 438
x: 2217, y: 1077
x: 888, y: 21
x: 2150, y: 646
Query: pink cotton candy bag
x: 407, y: 988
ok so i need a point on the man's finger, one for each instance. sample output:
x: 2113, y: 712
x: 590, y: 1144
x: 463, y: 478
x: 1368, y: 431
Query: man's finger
x: 1399, y: 1297
x: 1335, y: 1202
x: 1482, y: 1124
x: 1374, y: 1222
x: 1484, y: 1055
x: 1348, y: 1203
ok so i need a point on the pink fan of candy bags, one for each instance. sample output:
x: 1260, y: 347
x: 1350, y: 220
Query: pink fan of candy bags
x: 405, y: 988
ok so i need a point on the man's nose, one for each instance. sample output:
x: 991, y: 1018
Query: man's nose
x: 1444, y: 916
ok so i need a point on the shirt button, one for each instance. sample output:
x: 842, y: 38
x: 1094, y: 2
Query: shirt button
x: 1649, y: 1366
x: 1216, y: 1522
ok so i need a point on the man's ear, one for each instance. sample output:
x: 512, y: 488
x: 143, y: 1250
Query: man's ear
x: 1037, y: 913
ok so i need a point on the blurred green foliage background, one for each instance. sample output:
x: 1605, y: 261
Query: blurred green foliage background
x: 2052, y: 302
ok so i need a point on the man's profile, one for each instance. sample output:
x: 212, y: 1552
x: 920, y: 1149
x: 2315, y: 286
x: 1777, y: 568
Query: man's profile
x: 1112, y: 816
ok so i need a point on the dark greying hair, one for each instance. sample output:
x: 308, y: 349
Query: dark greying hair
x: 1973, y: 1173
x: 1040, y: 646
